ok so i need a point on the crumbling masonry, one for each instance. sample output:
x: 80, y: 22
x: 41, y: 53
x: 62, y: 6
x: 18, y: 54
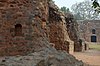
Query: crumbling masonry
x: 24, y: 24
x: 34, y: 28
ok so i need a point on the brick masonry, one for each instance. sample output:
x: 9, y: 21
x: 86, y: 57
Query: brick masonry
x: 27, y: 26
x: 29, y: 14
x: 58, y: 30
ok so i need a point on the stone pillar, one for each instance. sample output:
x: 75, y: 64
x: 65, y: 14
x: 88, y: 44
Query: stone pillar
x: 71, y: 47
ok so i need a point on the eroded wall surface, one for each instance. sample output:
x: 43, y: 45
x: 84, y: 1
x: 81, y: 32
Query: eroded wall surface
x: 58, y: 31
x: 21, y: 25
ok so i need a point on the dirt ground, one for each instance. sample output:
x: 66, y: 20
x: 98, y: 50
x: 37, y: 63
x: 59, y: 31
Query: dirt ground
x: 91, y: 57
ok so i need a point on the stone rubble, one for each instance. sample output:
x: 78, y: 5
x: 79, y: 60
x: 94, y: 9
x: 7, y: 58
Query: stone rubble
x: 43, y: 58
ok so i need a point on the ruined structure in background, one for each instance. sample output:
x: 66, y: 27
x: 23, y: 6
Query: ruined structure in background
x: 72, y: 28
x: 90, y: 30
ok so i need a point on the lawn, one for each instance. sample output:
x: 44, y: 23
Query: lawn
x: 94, y: 46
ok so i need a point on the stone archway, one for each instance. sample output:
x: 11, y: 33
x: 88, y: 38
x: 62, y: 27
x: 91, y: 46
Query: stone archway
x: 93, y: 38
x: 18, y: 30
x: 93, y: 31
x: 85, y: 46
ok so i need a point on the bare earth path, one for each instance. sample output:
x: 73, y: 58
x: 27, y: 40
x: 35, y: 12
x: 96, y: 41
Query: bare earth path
x: 91, y: 57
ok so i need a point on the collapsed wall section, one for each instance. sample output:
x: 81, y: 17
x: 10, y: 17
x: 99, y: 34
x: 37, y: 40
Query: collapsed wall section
x: 58, y: 31
x: 72, y: 28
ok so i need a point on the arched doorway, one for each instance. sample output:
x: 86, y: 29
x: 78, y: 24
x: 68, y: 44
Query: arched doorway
x: 85, y: 46
x: 93, y: 31
x: 93, y: 38
x: 18, y: 30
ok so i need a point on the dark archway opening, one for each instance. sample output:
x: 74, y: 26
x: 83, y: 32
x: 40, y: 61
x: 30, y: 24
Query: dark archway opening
x: 18, y: 30
x: 85, y: 46
x: 93, y: 31
x: 93, y: 39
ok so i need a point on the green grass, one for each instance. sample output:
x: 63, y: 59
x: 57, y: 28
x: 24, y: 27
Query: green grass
x: 94, y: 46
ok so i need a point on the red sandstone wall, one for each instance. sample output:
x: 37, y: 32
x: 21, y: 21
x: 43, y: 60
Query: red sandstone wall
x: 58, y: 31
x: 30, y: 14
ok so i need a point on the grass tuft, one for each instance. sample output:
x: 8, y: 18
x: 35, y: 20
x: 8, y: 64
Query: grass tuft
x: 94, y: 46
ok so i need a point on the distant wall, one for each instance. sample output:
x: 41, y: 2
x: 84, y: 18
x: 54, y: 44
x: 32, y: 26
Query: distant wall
x: 88, y: 29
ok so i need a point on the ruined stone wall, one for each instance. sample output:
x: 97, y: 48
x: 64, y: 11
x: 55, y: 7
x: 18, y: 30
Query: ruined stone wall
x: 58, y: 31
x: 23, y: 31
x: 72, y: 28
x: 21, y: 25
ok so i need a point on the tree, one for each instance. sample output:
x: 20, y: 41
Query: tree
x: 77, y: 16
x: 84, y: 10
x: 65, y: 10
x: 96, y: 5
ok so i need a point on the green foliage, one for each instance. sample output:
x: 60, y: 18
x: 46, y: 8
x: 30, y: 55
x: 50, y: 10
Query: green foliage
x: 52, y: 1
x: 64, y: 9
x: 96, y: 5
